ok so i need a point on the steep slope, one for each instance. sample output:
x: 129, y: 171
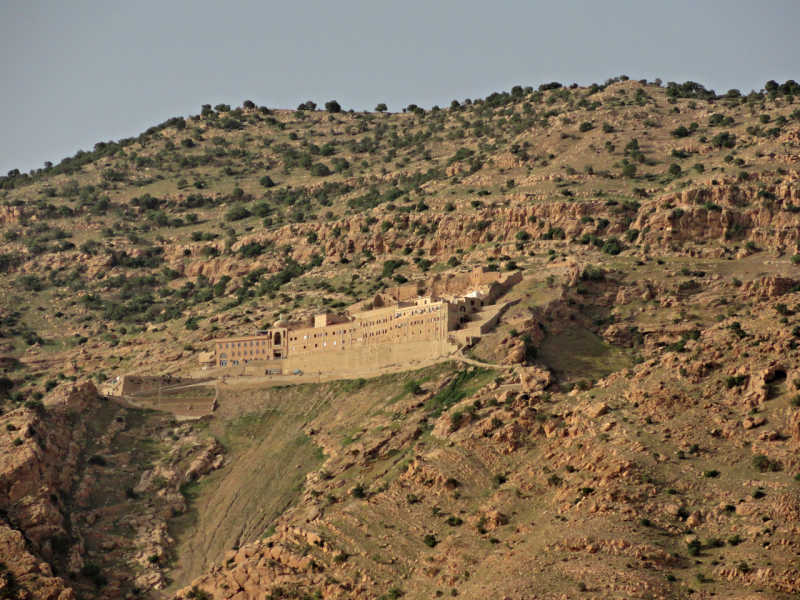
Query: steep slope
x: 676, y: 475
x: 629, y: 429
x: 204, y: 225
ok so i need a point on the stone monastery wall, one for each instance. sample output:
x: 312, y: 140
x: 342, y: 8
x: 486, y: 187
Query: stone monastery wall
x: 394, y: 332
x: 490, y: 283
x: 426, y: 320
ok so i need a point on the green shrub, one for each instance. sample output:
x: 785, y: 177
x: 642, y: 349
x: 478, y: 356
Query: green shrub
x: 724, y: 140
x: 192, y: 323
x: 612, y: 246
x: 554, y: 233
x: 593, y: 273
x: 761, y: 462
x: 735, y: 381
x: 36, y: 403
x: 237, y: 213
x: 737, y: 330
x: 320, y: 170
x: 197, y: 594
x: 455, y: 420
x: 531, y: 351
x: 430, y: 540
x: 680, y: 132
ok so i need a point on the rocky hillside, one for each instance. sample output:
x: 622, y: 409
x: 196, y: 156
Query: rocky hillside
x: 87, y: 491
x: 630, y: 430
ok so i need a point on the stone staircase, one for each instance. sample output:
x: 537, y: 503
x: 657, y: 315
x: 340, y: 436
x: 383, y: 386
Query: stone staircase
x: 481, y: 322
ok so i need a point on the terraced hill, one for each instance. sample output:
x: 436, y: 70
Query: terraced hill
x: 635, y: 434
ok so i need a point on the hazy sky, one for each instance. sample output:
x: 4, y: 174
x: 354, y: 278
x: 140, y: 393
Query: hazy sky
x: 75, y: 73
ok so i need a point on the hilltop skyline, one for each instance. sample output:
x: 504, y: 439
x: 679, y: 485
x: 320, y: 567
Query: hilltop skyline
x: 85, y: 73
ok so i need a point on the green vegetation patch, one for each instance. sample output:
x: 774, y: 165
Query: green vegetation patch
x: 462, y: 385
x: 580, y: 353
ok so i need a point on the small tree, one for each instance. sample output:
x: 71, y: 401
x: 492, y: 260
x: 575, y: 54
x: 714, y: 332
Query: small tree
x: 724, y: 140
x: 413, y: 387
x: 333, y: 106
x: 680, y: 132
x: 612, y: 246
x: 320, y: 170
x: 381, y: 108
x: 237, y: 213
x: 629, y: 171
